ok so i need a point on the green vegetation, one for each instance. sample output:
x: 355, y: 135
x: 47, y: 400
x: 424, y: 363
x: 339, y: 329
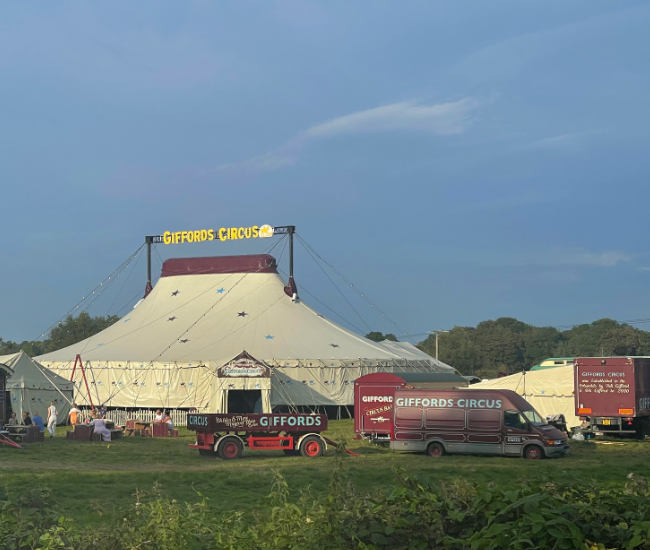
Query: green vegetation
x: 157, y: 493
x: 507, y: 345
x: 70, y: 331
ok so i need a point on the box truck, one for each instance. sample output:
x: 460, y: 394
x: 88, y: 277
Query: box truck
x: 613, y: 394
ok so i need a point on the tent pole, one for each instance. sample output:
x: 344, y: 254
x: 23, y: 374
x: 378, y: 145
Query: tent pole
x: 148, y: 240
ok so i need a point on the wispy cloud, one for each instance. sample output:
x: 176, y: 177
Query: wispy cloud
x: 608, y: 258
x: 442, y: 119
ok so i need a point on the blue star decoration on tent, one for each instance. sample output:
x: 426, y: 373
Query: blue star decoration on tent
x: 172, y: 318
x: 242, y: 314
x: 221, y: 290
x: 127, y: 320
x: 269, y: 337
x: 175, y: 293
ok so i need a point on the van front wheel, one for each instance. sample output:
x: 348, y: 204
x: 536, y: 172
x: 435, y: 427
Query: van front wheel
x: 533, y: 452
x: 435, y: 449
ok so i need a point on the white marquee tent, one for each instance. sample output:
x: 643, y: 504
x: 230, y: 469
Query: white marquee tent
x: 214, y: 330
x: 550, y: 391
x: 32, y: 387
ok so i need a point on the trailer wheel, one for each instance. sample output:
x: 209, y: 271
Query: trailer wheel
x: 230, y: 447
x: 311, y: 446
x: 435, y: 449
x: 533, y: 452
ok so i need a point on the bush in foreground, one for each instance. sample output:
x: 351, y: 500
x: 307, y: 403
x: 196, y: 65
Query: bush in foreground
x: 416, y: 515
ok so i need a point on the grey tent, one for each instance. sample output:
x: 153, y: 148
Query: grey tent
x: 32, y: 387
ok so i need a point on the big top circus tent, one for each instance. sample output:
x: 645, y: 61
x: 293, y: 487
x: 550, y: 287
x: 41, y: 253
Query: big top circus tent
x: 224, y: 334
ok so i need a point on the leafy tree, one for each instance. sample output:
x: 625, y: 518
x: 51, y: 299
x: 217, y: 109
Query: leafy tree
x: 73, y: 330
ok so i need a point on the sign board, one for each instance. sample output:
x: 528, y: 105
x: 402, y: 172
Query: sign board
x: 221, y: 234
x: 244, y: 366
x: 233, y: 422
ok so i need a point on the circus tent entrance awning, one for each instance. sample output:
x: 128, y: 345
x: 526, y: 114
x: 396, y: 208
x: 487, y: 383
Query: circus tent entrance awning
x: 244, y: 385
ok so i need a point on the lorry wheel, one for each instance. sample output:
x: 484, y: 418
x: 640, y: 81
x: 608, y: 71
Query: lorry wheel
x: 230, y: 447
x: 435, y: 449
x: 311, y: 446
x: 533, y: 452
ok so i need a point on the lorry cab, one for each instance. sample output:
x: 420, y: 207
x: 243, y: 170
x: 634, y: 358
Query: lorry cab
x: 492, y: 422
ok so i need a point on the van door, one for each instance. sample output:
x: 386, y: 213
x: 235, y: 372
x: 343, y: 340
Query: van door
x: 515, y: 434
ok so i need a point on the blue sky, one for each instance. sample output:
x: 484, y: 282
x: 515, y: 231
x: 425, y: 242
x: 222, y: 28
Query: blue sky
x: 455, y: 161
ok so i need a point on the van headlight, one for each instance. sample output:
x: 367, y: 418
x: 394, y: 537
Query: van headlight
x: 554, y: 442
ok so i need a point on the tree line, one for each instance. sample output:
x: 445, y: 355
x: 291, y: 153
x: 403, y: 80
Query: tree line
x: 506, y: 345
x: 68, y: 332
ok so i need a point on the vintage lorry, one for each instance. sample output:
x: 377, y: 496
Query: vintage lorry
x: 439, y: 421
x: 226, y: 435
x: 612, y: 394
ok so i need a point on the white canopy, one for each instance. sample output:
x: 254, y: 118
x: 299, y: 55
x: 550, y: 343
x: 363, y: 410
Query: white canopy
x: 32, y: 387
x: 202, y: 313
x: 549, y: 391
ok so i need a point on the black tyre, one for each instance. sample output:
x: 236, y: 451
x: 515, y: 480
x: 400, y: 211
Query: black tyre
x: 311, y: 446
x: 435, y: 449
x: 230, y: 447
x: 533, y: 452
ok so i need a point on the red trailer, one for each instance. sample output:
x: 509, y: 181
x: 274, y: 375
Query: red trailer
x: 614, y: 393
x: 373, y: 405
x: 225, y: 435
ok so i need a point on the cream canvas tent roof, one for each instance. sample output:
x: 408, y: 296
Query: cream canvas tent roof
x: 32, y: 387
x: 549, y: 391
x: 202, y: 313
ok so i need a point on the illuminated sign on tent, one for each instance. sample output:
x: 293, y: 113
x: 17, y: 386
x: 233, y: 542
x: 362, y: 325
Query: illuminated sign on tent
x: 222, y: 234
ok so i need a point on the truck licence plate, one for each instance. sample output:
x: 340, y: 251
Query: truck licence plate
x: 606, y: 421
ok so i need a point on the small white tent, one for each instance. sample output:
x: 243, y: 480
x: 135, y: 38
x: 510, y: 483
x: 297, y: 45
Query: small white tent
x: 550, y: 391
x: 32, y: 387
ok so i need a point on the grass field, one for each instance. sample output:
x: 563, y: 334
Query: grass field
x: 96, y: 482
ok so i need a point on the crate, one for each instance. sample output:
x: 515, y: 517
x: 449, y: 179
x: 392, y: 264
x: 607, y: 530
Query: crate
x: 160, y: 429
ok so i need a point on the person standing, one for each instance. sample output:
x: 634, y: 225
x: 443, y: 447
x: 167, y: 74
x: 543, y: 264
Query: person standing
x: 74, y: 416
x: 51, y: 419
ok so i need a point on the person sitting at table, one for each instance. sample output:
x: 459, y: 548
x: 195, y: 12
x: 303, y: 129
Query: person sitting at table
x: 12, y: 421
x: 27, y: 420
x: 168, y: 420
x: 159, y: 416
x: 37, y: 419
x: 99, y: 427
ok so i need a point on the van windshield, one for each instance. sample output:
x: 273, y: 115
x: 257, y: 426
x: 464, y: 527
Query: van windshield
x: 533, y: 417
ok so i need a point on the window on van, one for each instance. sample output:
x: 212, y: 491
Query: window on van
x: 512, y: 419
x: 534, y: 418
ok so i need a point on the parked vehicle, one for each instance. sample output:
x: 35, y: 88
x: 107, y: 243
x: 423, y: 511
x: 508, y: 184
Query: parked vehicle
x: 612, y: 394
x: 226, y: 435
x: 496, y: 422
